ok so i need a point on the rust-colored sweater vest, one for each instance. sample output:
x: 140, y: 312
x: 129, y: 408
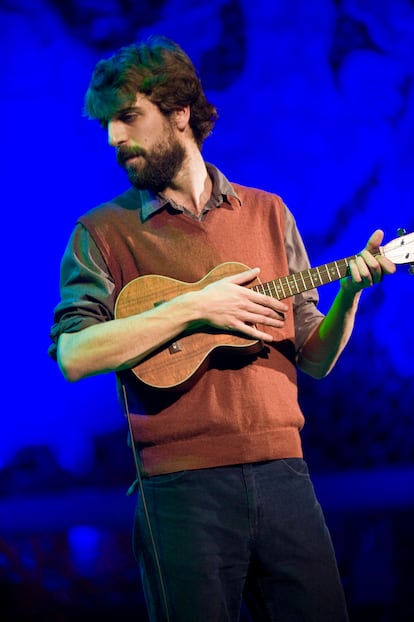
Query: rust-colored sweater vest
x: 243, y: 408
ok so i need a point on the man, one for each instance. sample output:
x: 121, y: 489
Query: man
x: 226, y: 509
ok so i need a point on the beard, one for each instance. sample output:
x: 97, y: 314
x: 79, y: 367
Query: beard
x: 158, y: 166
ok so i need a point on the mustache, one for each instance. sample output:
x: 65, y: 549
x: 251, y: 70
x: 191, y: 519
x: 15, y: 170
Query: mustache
x: 123, y: 153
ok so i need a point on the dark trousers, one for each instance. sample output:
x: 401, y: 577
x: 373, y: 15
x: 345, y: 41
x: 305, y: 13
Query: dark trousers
x: 254, y: 532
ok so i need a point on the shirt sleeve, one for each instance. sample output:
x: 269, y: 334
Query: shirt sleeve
x: 86, y: 288
x: 306, y: 314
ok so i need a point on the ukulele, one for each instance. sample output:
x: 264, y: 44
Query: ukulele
x: 177, y: 363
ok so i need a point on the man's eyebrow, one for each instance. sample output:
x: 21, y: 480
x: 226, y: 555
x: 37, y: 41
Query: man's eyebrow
x: 128, y: 109
x: 118, y: 115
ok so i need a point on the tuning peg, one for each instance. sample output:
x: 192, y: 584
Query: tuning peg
x: 401, y: 232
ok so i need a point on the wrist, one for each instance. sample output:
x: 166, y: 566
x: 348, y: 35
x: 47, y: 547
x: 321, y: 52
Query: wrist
x: 349, y: 294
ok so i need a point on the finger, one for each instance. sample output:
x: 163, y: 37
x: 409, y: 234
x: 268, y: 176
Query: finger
x: 374, y: 266
x: 250, y: 330
x: 264, y: 301
x: 369, y: 269
x: 359, y: 272
x: 387, y: 265
x: 278, y: 306
x: 264, y: 321
x: 243, y: 277
x: 267, y: 315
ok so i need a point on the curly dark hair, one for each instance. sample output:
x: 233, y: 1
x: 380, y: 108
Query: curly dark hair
x: 161, y: 70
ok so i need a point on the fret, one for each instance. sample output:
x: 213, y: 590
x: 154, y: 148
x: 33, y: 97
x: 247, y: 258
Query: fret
x: 272, y: 288
x: 332, y: 272
x: 316, y: 277
x: 303, y: 282
x: 311, y: 278
x: 280, y: 290
x: 328, y: 275
x: 319, y: 276
x: 293, y: 277
x: 288, y: 284
x: 269, y: 291
x: 325, y: 276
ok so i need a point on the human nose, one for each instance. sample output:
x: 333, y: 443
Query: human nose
x: 116, y: 133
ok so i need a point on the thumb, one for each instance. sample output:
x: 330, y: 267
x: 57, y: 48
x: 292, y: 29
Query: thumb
x: 244, y: 277
x: 375, y: 240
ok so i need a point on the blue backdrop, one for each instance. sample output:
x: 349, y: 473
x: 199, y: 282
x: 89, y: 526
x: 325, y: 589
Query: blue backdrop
x: 316, y: 103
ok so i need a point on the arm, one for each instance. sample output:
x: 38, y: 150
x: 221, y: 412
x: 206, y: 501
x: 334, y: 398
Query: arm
x: 121, y: 343
x: 324, y: 345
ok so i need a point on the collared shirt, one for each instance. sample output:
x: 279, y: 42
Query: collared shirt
x: 221, y: 191
x: 87, y: 289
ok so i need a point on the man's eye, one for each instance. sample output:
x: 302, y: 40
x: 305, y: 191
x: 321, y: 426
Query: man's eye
x: 128, y: 117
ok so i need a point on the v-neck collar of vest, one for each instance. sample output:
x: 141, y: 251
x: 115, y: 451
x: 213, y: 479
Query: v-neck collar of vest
x: 222, y: 192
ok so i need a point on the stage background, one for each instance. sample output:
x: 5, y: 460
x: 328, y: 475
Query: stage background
x: 316, y: 103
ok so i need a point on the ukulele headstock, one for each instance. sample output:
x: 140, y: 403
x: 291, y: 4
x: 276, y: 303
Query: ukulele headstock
x: 401, y: 232
x: 401, y: 249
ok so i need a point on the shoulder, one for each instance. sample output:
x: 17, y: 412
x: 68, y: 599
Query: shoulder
x: 250, y: 193
x: 122, y: 206
x: 262, y: 205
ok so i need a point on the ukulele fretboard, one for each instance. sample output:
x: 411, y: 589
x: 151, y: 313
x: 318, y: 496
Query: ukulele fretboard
x: 307, y: 279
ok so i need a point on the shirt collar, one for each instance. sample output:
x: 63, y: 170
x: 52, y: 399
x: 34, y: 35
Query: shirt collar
x: 222, y: 191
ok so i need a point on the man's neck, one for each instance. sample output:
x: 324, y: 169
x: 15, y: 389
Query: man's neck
x: 193, y: 186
